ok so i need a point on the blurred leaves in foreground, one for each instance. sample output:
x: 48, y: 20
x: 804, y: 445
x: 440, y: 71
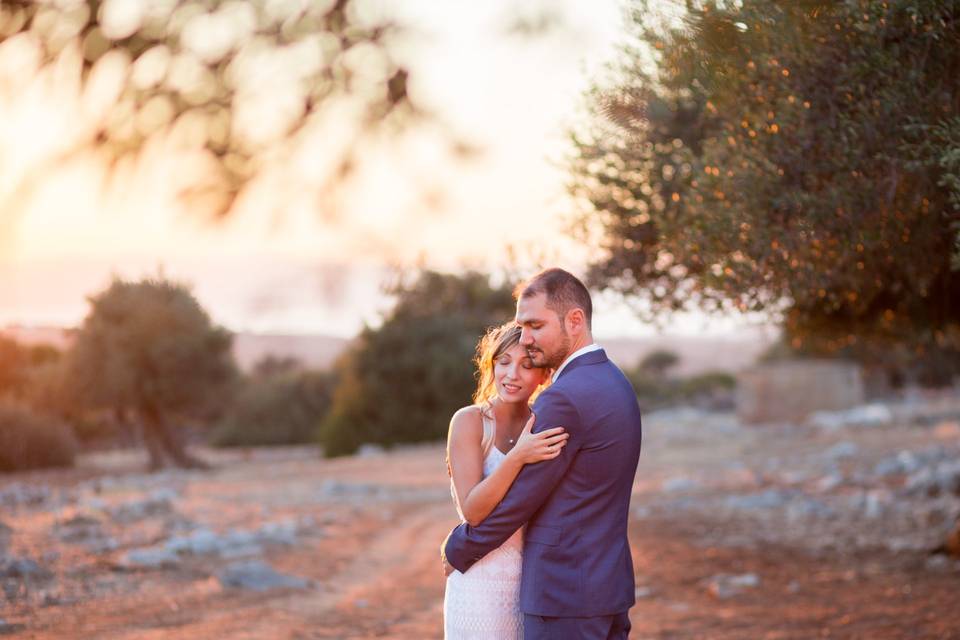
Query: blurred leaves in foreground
x: 240, y: 85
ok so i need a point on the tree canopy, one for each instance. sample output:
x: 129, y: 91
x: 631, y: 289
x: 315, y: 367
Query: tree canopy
x: 149, y: 348
x: 794, y: 157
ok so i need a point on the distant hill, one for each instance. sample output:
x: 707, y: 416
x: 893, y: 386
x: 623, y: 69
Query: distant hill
x: 315, y: 351
x: 697, y: 354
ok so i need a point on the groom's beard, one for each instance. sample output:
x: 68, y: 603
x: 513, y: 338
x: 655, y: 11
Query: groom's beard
x: 550, y: 359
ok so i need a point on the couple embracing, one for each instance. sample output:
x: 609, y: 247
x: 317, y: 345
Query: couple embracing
x: 543, y: 491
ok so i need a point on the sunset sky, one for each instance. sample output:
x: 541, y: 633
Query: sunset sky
x: 313, y: 271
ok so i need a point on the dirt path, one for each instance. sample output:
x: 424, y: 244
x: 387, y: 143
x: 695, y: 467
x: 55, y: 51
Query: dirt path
x: 368, y: 531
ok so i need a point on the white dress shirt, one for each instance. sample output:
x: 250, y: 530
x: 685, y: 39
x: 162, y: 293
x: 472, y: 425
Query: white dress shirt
x: 579, y: 352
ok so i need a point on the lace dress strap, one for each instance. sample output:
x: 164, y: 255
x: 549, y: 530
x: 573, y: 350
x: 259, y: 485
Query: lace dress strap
x: 489, y: 429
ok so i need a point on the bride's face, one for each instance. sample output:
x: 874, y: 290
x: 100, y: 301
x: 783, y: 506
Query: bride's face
x: 516, y: 376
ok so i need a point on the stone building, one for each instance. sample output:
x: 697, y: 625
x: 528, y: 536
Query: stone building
x: 790, y: 390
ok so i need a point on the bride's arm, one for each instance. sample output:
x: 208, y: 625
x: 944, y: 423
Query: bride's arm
x: 476, y: 495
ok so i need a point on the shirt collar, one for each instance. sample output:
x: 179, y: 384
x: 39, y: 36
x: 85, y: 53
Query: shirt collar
x: 576, y: 354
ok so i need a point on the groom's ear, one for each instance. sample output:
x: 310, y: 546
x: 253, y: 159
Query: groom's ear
x: 576, y: 320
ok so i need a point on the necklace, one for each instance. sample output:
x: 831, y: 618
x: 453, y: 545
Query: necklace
x: 512, y: 441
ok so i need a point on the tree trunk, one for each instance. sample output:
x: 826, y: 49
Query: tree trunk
x: 162, y: 443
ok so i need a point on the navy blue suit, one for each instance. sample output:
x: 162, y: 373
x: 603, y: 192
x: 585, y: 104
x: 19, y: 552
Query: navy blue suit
x: 576, y: 555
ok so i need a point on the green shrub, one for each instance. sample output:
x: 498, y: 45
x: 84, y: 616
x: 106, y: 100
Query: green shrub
x: 276, y: 409
x: 33, y: 441
x: 713, y: 389
x: 401, y: 382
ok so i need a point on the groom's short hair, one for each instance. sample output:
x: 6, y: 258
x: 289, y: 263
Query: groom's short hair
x: 564, y: 292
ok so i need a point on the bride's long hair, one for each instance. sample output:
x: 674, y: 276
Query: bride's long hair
x: 492, y: 345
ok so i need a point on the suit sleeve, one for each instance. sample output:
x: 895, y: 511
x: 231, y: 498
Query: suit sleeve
x: 466, y: 545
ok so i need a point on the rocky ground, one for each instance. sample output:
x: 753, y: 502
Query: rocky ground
x: 774, y: 531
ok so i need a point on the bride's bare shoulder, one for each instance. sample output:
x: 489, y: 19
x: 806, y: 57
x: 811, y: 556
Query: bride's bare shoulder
x: 467, y: 419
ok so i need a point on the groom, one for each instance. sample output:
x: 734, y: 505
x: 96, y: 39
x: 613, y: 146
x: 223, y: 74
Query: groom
x: 577, y: 579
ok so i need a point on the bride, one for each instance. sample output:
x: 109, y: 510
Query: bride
x: 488, y: 443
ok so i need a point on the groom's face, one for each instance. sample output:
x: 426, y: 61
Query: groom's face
x: 542, y: 333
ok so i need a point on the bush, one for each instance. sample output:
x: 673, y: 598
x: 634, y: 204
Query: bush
x: 712, y: 390
x: 33, y: 441
x: 401, y: 382
x: 276, y: 409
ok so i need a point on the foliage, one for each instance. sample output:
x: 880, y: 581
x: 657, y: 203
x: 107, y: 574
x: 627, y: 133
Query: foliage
x: 12, y: 365
x: 149, y: 343
x: 149, y: 349
x: 710, y: 390
x: 32, y: 441
x: 272, y: 365
x: 280, y: 408
x: 793, y: 157
x: 402, y: 381
x: 197, y: 70
x: 658, y: 362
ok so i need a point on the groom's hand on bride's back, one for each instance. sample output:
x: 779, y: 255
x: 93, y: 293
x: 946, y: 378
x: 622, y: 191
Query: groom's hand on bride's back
x: 447, y: 567
x: 537, y: 447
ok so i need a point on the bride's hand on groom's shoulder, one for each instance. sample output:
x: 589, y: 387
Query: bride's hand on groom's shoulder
x: 537, y: 447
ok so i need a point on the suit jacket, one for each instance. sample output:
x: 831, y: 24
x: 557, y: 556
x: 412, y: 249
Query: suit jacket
x: 576, y: 555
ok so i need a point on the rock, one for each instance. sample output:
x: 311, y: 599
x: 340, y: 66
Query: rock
x: 158, y: 503
x: 50, y: 599
x: 200, y: 542
x: 944, y: 478
x: 938, y: 563
x: 794, y: 477
x: 96, y: 504
x: 679, y: 484
x: 10, y: 627
x: 923, y: 482
x: 875, y: 503
x: 6, y: 533
x: 23, y: 568
x: 808, y: 508
x: 17, y: 495
x: 725, y: 586
x: 283, y: 532
x: 101, y: 545
x: 77, y: 528
x: 369, y: 451
x: 235, y: 543
x: 768, y: 499
x: 241, y: 551
x: 258, y: 576
x: 641, y: 512
x: 903, y: 462
x: 149, y: 558
x: 337, y: 488
x: 829, y: 483
x: 86, y: 530
x: 841, y: 450
x: 643, y: 591
x: 870, y: 415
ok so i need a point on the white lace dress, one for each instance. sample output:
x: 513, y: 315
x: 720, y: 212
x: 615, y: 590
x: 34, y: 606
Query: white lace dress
x: 483, y: 603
